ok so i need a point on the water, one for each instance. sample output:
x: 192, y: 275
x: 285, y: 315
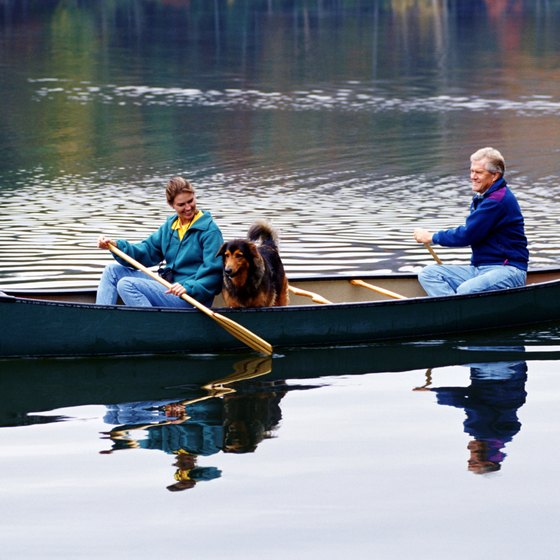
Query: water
x: 357, y: 463
x: 324, y: 117
x: 347, y: 123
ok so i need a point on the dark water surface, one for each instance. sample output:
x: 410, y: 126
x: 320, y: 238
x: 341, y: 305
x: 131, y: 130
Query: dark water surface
x: 347, y: 123
x: 393, y: 451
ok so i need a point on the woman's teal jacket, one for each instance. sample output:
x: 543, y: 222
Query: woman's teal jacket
x: 192, y: 259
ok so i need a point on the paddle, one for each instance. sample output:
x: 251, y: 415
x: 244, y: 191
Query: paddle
x: 235, y: 329
x: 317, y: 298
x: 433, y: 253
x: 377, y: 289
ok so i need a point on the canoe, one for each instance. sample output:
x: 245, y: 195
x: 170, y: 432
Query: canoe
x: 67, y: 323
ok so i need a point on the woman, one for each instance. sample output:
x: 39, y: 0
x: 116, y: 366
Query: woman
x: 188, y: 242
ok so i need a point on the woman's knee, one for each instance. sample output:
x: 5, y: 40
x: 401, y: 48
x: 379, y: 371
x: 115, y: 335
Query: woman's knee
x: 126, y: 285
x: 114, y: 271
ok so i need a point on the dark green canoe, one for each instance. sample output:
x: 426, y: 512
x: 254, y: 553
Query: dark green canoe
x: 64, y: 324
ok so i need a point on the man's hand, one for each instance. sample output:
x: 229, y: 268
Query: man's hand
x: 422, y: 235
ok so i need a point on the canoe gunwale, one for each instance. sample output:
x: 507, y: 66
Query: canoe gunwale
x: 27, y: 297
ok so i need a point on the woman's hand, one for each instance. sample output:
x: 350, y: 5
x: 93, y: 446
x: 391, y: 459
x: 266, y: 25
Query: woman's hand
x: 176, y: 289
x: 104, y: 242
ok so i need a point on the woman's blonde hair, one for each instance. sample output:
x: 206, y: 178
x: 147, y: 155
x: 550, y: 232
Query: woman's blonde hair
x: 175, y: 186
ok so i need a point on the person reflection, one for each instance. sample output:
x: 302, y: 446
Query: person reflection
x: 491, y: 403
x: 234, y: 423
x: 186, y: 431
x: 188, y: 473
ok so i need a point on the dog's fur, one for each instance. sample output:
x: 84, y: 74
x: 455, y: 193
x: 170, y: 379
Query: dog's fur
x: 253, y: 271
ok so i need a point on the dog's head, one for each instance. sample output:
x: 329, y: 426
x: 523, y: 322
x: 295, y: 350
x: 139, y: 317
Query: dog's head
x: 240, y: 258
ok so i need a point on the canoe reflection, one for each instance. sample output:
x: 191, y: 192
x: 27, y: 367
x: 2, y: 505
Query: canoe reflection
x: 170, y: 403
x: 491, y: 402
x: 227, y: 419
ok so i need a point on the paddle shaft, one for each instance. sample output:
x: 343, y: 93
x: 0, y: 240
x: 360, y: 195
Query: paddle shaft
x: 158, y: 278
x: 241, y: 333
x: 433, y: 253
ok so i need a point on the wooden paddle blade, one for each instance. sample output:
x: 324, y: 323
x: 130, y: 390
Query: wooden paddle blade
x: 244, y: 335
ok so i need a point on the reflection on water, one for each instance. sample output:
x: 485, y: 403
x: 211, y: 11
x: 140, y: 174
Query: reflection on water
x: 234, y: 423
x: 230, y: 417
x: 236, y: 412
x: 491, y: 402
x: 248, y: 441
x: 231, y: 405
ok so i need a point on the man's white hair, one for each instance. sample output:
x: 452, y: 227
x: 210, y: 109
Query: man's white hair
x: 494, y: 160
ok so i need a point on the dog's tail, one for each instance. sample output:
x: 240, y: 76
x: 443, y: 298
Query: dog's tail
x: 262, y: 232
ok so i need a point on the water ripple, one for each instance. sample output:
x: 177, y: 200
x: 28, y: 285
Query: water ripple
x: 340, y: 99
x: 51, y: 241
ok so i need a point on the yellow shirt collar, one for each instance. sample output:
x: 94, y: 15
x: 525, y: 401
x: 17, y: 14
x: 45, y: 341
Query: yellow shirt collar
x: 183, y: 228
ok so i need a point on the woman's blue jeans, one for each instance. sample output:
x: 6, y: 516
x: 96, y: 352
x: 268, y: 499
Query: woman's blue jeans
x: 135, y: 288
x: 444, y: 280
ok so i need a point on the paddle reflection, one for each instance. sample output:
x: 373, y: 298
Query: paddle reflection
x: 491, y: 403
x: 224, y: 418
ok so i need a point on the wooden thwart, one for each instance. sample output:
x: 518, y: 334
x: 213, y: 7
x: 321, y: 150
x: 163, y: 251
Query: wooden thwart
x: 377, y: 289
x: 317, y: 298
x: 235, y: 329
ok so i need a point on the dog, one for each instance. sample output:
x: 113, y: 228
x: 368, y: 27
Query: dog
x: 254, y: 275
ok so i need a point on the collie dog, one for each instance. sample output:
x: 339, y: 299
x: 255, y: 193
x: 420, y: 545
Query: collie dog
x: 253, y: 271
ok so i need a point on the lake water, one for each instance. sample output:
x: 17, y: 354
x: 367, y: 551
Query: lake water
x: 347, y: 124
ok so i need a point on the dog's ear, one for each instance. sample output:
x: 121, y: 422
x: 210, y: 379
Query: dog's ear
x: 257, y: 260
x: 254, y: 251
x: 221, y: 250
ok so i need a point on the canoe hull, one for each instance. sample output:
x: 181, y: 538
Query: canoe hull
x: 34, y: 327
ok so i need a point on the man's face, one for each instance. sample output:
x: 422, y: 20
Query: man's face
x: 481, y: 179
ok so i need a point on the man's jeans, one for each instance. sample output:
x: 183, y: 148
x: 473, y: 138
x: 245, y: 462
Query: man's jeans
x: 135, y: 288
x: 444, y: 280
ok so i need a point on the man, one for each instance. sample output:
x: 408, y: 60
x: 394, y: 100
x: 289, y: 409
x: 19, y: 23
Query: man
x: 494, y: 229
